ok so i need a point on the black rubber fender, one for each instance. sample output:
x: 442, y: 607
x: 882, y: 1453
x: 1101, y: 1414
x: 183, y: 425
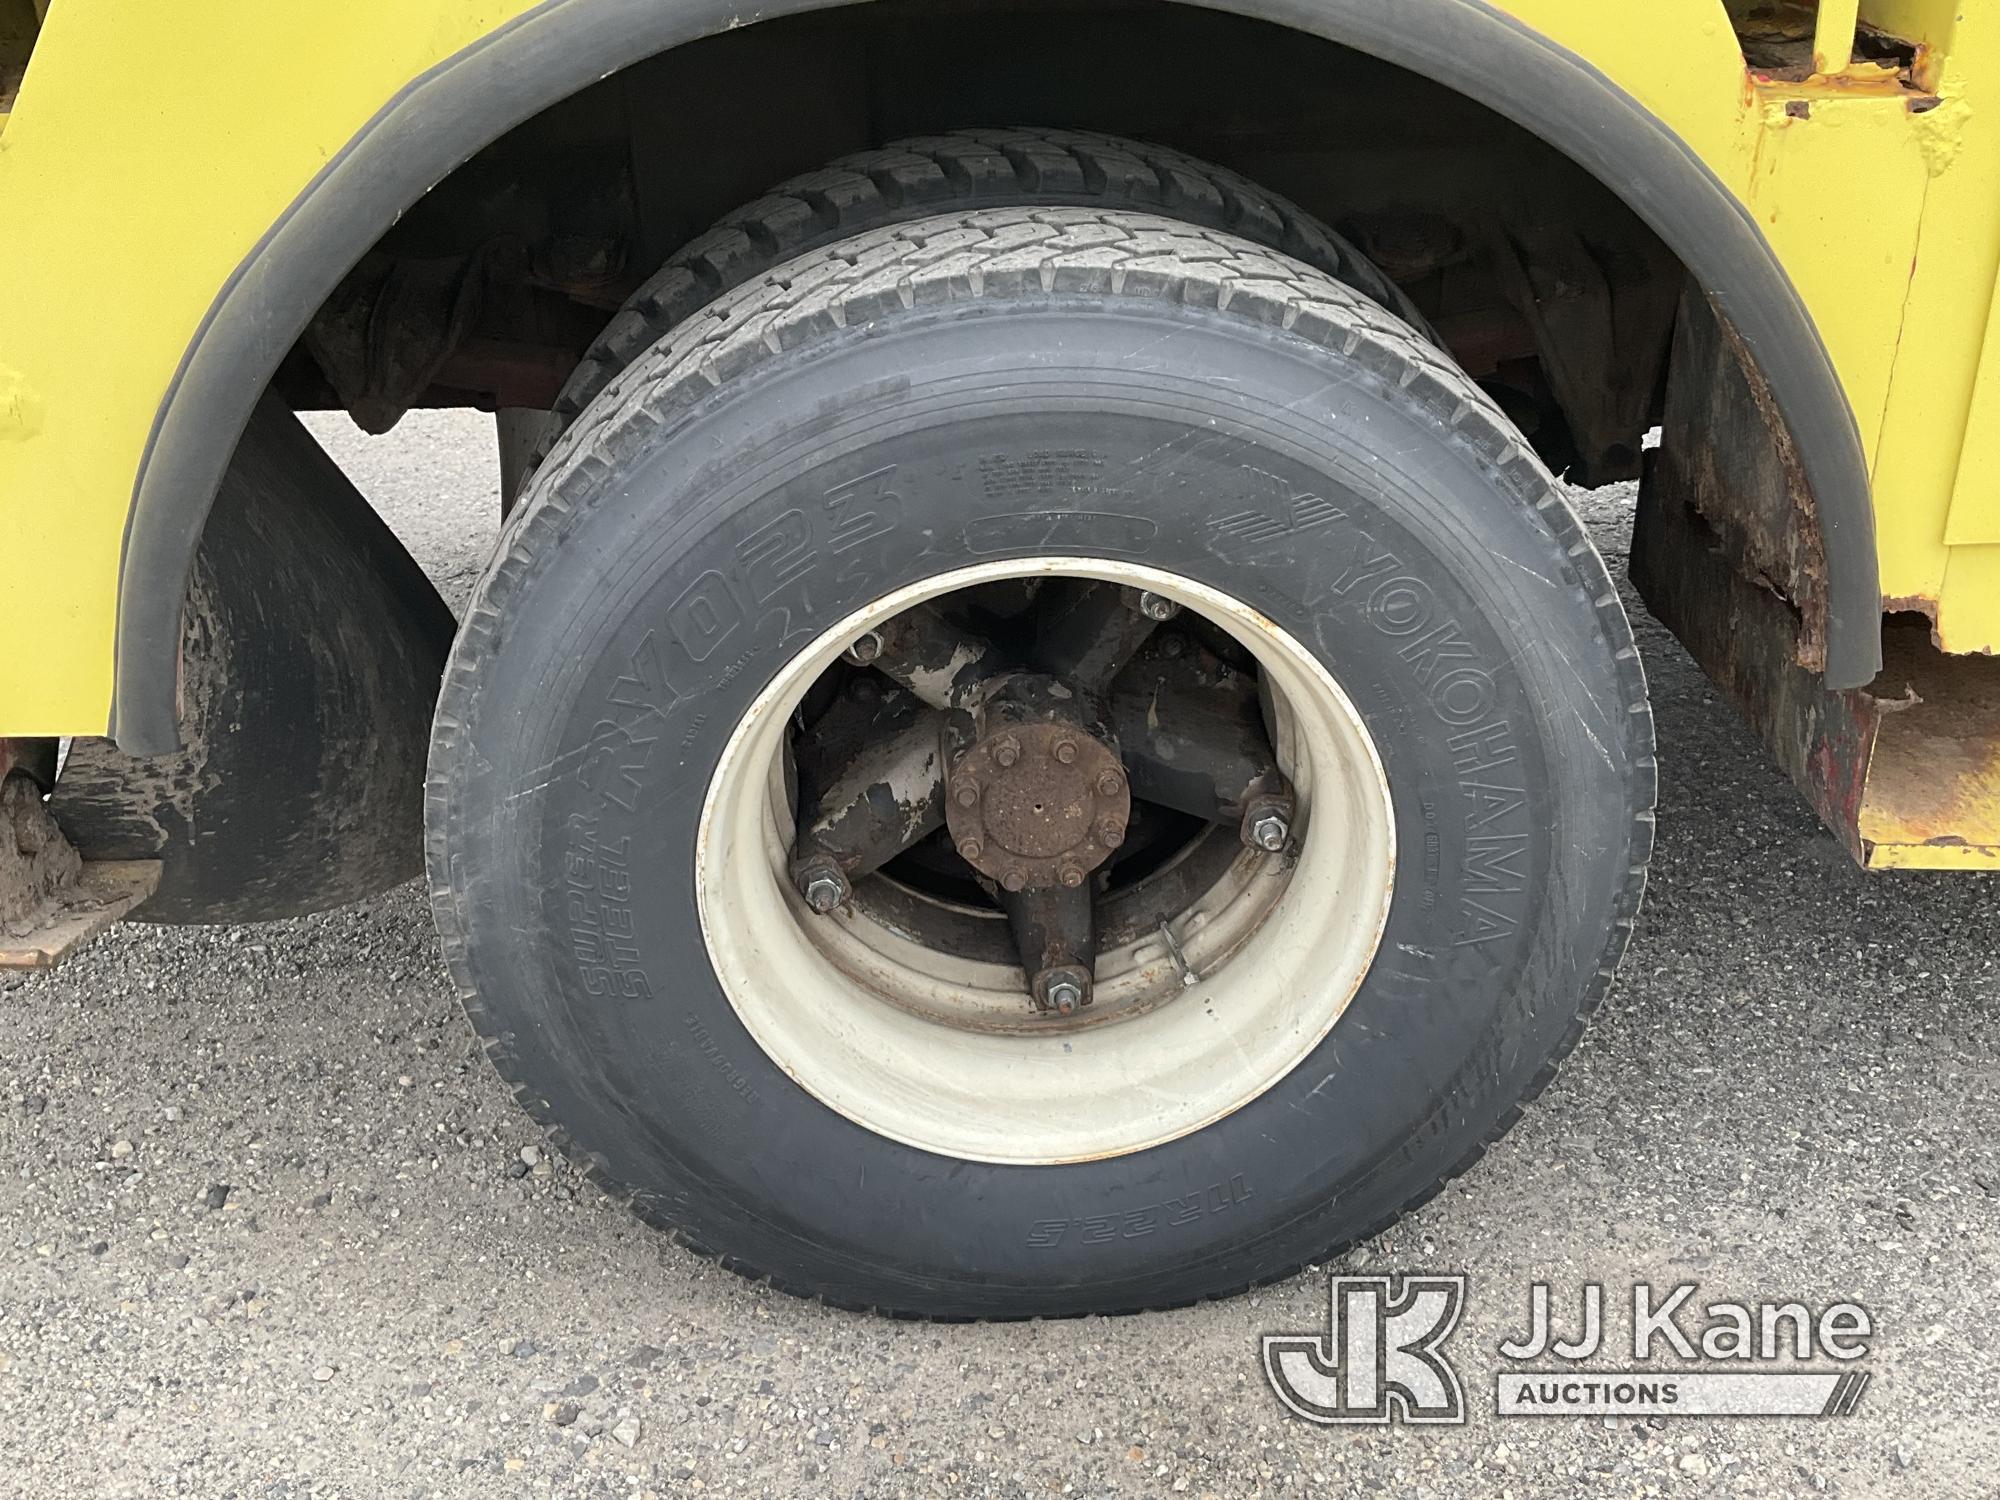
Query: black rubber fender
x: 312, y: 648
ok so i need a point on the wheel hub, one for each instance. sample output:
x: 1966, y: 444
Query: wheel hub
x: 1028, y: 727
x: 1038, y: 800
x: 1175, y: 983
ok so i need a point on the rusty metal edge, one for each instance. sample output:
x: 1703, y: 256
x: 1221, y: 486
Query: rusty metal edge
x: 102, y: 894
x: 1744, y: 636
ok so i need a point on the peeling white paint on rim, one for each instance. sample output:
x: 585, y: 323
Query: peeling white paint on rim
x: 956, y: 989
x: 1070, y: 1093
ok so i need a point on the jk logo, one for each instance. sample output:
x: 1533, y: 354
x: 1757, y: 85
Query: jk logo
x: 1380, y: 1357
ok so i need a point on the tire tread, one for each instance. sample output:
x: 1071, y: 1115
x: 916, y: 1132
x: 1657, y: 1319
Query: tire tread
x: 935, y: 174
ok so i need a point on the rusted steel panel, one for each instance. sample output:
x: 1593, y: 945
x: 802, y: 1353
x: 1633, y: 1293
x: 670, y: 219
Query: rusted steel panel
x: 1725, y: 452
x: 1744, y: 636
x: 1932, y: 799
x: 1905, y: 772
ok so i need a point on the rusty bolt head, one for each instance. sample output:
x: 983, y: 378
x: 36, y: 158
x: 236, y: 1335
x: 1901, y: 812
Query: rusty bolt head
x: 1015, y: 880
x: 1070, y: 876
x: 1269, y: 830
x: 865, y: 649
x: 969, y: 848
x: 1065, y: 751
x: 1110, y: 784
x: 1173, y: 645
x: 968, y: 794
x: 1110, y: 832
x: 823, y: 885
x: 1157, y: 606
x: 1006, y: 752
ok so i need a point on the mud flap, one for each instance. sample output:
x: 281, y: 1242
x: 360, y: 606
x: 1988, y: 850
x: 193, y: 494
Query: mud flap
x: 311, y: 653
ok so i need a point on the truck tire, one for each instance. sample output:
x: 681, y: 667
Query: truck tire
x: 965, y: 169
x: 982, y: 419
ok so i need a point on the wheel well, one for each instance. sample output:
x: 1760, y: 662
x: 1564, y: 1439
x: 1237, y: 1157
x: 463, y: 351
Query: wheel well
x: 1544, y: 284
x: 465, y: 244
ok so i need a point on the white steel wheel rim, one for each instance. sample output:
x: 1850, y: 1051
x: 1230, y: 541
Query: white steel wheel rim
x: 811, y: 990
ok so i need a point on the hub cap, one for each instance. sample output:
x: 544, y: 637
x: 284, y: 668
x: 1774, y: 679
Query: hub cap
x: 1038, y: 800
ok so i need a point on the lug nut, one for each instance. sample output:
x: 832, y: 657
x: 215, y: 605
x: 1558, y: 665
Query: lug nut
x: 1065, y: 751
x: 1173, y: 645
x: 1110, y: 832
x: 1007, y: 751
x: 1269, y: 831
x: 1015, y: 880
x: 1110, y: 784
x: 865, y: 649
x: 1063, y: 988
x: 1070, y: 876
x: 1157, y: 606
x: 970, y: 849
x: 823, y: 885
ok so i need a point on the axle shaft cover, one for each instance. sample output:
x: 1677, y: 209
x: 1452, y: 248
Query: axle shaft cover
x: 1034, y: 805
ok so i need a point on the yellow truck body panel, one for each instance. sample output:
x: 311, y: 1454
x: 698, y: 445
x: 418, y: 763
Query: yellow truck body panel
x: 151, y: 148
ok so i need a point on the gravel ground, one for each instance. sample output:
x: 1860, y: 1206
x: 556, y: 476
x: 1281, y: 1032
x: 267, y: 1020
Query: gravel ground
x: 272, y: 1227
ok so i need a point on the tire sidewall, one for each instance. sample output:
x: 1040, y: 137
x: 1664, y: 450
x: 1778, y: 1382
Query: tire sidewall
x: 662, y: 575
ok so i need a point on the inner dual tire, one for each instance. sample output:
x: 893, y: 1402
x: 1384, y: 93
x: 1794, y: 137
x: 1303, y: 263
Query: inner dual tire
x: 993, y: 395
